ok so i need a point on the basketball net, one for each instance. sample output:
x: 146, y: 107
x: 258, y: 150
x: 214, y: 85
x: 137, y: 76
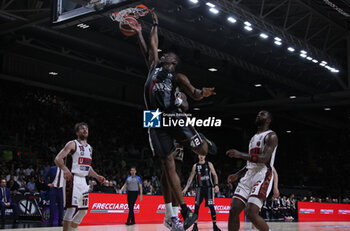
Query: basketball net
x: 134, y: 12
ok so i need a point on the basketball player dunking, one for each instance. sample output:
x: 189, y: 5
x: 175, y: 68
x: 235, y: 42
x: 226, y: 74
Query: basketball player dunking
x: 256, y: 184
x: 160, y: 93
x: 78, y: 154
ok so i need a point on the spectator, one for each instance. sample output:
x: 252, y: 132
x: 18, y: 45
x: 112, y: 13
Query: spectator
x: 6, y: 202
x: 292, y: 202
x: 111, y: 187
x: 12, y: 185
x: 40, y: 184
x: 28, y: 171
x: 22, y: 184
x: 276, y: 205
x: 145, y: 187
x: 31, y: 185
x: 283, y: 207
x: 92, y: 186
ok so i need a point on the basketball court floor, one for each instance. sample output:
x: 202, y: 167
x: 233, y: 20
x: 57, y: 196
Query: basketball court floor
x: 207, y: 226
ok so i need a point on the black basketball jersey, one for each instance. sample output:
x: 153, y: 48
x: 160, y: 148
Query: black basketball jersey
x: 160, y: 90
x: 203, y: 175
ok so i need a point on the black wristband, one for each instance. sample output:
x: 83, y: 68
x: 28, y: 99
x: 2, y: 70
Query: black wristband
x: 155, y: 24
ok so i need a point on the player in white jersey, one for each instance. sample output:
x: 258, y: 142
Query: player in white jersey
x: 78, y: 154
x: 256, y: 184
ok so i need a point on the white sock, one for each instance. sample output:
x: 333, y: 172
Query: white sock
x: 175, y: 211
x: 169, y: 210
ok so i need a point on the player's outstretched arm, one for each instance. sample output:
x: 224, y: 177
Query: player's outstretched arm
x: 215, y: 176
x: 233, y: 177
x: 68, y: 148
x: 153, y: 58
x: 189, y: 181
x: 98, y: 177
x: 143, y: 46
x: 190, y: 90
x: 271, y: 142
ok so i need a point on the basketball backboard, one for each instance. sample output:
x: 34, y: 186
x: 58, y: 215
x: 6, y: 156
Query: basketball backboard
x: 68, y: 9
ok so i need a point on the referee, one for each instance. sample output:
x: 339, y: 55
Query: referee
x: 133, y: 184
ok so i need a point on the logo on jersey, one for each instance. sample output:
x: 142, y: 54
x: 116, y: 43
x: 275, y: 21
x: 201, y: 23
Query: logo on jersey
x: 151, y: 118
x: 84, y: 161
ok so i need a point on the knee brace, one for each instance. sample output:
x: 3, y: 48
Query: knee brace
x: 79, y: 216
x: 69, y: 213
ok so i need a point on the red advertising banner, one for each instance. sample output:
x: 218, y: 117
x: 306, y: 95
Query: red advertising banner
x: 113, y: 209
x: 312, y: 211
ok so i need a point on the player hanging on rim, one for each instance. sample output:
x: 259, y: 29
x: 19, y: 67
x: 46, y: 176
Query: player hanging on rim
x: 160, y: 93
x: 78, y: 154
x: 204, y: 172
x: 256, y: 184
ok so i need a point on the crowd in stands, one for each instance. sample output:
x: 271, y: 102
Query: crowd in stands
x: 36, y: 124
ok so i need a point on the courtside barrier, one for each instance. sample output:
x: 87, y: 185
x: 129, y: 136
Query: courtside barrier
x: 113, y: 209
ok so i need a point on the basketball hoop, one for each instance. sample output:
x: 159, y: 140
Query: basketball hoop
x: 134, y: 12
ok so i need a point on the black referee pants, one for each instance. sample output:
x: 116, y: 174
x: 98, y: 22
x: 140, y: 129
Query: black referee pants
x: 132, y: 197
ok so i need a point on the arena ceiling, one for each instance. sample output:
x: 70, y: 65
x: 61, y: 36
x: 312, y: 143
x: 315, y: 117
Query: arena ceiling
x: 100, y: 62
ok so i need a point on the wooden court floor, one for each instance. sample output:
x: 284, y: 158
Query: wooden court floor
x: 206, y: 226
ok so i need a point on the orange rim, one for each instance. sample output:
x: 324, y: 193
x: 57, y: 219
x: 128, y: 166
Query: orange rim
x: 136, y: 15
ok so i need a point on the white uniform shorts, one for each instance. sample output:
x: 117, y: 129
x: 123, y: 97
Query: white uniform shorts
x: 76, y: 193
x: 255, y: 186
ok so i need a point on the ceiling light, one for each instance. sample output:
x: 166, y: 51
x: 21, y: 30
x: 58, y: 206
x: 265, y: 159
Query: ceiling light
x: 247, y: 23
x: 83, y: 25
x: 236, y: 118
x: 258, y: 85
x: 212, y: 69
x: 210, y: 4
x: 324, y: 62
x: 196, y: 109
x: 327, y: 109
x: 214, y: 10
x: 291, y: 49
x: 194, y: 1
x: 278, y: 43
x: 231, y: 19
x: 53, y: 73
x: 303, y: 52
x: 263, y: 35
x: 315, y: 61
x: 303, y: 55
x: 248, y: 28
x: 292, y: 97
x: 334, y: 70
x: 309, y: 58
x: 278, y: 39
x: 289, y: 131
x: 159, y: 50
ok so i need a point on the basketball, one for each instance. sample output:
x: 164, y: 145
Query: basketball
x: 125, y: 28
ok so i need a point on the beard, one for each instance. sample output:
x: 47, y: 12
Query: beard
x: 259, y: 122
x: 83, y: 137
